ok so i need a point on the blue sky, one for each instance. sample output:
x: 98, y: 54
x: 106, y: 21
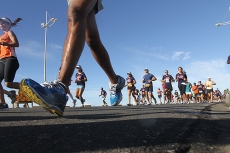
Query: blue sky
x: 154, y: 34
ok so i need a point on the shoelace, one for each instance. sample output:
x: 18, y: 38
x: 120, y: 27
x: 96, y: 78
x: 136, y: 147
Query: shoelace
x: 113, y: 88
x: 50, y: 85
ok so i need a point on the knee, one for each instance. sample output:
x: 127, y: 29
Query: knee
x: 93, y: 41
x: 77, y: 14
x: 7, y: 84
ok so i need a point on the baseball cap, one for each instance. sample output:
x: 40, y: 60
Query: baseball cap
x: 146, y: 69
x: 209, y: 77
x: 78, y: 67
x: 129, y: 73
x: 5, y: 19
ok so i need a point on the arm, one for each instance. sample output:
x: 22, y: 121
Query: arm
x: 185, y: 77
x: 213, y: 83
x: 172, y: 79
x: 85, y: 79
x: 176, y: 78
x: 14, y: 41
x: 134, y: 81
x: 154, y: 79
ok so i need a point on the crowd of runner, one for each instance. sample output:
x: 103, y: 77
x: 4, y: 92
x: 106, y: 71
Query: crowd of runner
x: 187, y: 92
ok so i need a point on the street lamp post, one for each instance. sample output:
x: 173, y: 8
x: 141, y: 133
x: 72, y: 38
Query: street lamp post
x: 46, y: 25
x: 223, y: 23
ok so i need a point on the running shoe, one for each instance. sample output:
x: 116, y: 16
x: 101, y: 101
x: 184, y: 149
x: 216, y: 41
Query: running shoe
x: 115, y: 91
x: 74, y: 102
x: 50, y: 95
x: 129, y: 104
x: 12, y: 96
x: 4, y: 106
x: 82, y: 101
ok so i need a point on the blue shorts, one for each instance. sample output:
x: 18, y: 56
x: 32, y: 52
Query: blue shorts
x: 149, y: 89
x: 80, y: 86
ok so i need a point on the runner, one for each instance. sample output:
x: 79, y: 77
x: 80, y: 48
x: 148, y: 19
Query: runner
x: 176, y: 97
x: 130, y: 80
x: 209, y: 86
x: 200, y: 88
x: 81, y: 27
x: 103, y: 95
x: 8, y: 60
x: 70, y: 94
x: 188, y: 92
x: 147, y: 79
x: 218, y: 95
x: 167, y: 79
x: 159, y: 93
x: 195, y: 92
x: 80, y: 81
x: 181, y: 78
x: 142, y: 90
x: 137, y: 96
x: 228, y: 60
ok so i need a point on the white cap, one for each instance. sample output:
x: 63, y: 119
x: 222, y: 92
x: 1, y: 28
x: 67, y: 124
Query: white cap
x: 146, y: 69
x: 209, y: 77
x: 5, y: 19
x: 129, y: 73
x: 78, y: 67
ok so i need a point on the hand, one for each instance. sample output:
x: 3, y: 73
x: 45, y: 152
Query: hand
x: 3, y: 43
x: 149, y: 81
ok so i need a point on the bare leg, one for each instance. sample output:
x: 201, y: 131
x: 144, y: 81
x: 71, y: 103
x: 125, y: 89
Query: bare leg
x: 14, y: 85
x: 2, y: 99
x: 78, y: 11
x: 98, y: 50
x: 129, y: 94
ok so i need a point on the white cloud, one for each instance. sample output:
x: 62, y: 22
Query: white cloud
x: 54, y: 46
x: 216, y: 69
x: 181, y: 55
x: 176, y: 55
x: 186, y: 55
x: 33, y: 49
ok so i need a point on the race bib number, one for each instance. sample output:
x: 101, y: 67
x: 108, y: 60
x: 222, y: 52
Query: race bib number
x: 167, y: 80
x: 129, y: 84
x: 147, y: 85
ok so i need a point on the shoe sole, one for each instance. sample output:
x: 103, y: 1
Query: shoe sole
x: 30, y: 93
x: 4, y: 109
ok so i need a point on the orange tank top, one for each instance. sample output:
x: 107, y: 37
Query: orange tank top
x: 6, y: 51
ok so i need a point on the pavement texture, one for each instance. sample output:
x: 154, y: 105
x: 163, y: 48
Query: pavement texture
x: 188, y: 128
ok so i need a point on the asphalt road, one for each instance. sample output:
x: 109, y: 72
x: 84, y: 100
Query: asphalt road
x: 192, y: 128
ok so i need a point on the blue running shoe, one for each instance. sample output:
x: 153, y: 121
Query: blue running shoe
x: 115, y: 91
x: 50, y: 95
x: 4, y: 106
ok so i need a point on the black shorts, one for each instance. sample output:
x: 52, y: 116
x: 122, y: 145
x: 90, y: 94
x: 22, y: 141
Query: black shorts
x: 209, y: 90
x: 182, y: 89
x: 132, y: 88
x: 169, y: 87
x: 98, y: 6
x: 200, y: 92
x: 8, y: 68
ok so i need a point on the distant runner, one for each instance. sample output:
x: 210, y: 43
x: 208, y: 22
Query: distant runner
x: 103, y: 96
x: 130, y: 83
x: 80, y: 81
x: 147, y: 79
